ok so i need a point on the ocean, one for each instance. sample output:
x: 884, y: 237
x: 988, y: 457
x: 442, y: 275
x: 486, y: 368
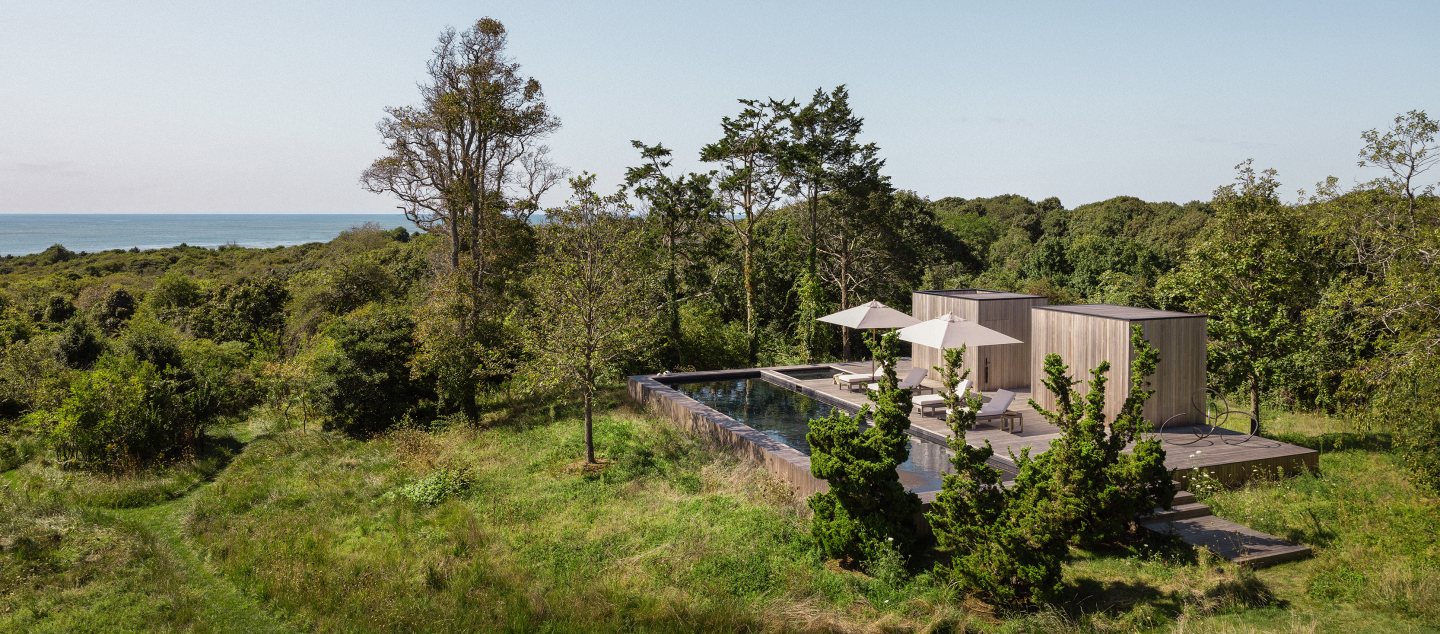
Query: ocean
x: 21, y: 234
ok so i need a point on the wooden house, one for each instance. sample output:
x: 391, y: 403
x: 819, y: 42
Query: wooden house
x: 991, y: 367
x: 1086, y: 334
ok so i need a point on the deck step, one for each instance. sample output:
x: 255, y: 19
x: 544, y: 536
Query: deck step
x: 1183, y: 497
x: 1238, y: 543
x: 1178, y: 512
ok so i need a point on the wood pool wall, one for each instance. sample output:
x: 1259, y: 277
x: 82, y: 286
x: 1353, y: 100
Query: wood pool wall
x: 1086, y: 334
x: 1006, y: 313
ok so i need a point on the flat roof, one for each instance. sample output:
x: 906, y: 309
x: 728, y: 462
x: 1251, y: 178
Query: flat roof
x: 979, y: 294
x: 1114, y: 311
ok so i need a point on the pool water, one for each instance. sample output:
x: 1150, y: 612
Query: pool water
x: 785, y: 416
x: 810, y: 374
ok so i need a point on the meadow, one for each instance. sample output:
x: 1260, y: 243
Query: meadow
x: 493, y: 528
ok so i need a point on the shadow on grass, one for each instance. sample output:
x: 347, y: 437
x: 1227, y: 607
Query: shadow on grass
x: 1088, y: 596
x: 1315, y: 533
x: 1335, y: 441
x: 518, y: 411
x: 159, y: 484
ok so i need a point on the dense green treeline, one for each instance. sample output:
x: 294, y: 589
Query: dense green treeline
x: 1328, y: 302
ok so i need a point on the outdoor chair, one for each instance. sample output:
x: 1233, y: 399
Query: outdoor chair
x: 911, y: 382
x: 932, y: 401
x: 999, y: 408
x: 849, y: 381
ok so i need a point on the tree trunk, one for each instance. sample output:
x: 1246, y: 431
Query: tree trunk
x: 749, y: 294
x: 1255, y: 398
x: 844, y: 295
x: 674, y: 314
x: 589, y: 434
x: 814, y: 235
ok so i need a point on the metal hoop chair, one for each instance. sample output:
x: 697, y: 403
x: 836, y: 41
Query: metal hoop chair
x: 1214, y: 418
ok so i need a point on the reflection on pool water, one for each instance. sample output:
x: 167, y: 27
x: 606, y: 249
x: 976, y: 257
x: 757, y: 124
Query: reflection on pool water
x: 785, y: 416
x: 809, y: 374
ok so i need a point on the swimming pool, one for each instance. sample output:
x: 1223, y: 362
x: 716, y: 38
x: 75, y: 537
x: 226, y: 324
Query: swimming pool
x: 785, y: 416
x: 808, y: 374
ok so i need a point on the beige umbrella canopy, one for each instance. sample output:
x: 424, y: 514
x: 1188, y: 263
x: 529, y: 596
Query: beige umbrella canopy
x: 870, y: 316
x: 949, y: 331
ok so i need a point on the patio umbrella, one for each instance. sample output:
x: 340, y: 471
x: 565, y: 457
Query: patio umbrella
x: 949, y: 331
x: 870, y: 316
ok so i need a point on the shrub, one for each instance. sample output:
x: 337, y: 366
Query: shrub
x: 710, y: 342
x: 117, y: 309
x: 174, y: 296
x: 1107, y: 488
x: 55, y: 254
x: 866, y: 505
x: 78, y: 344
x: 57, y: 309
x: 434, y: 488
x: 150, y: 340
x: 31, y: 378
x: 127, y: 411
x: 364, y: 382
x: 15, y: 325
x: 1412, y: 404
x: 241, y: 311
x: 1007, y: 545
x: 223, y: 371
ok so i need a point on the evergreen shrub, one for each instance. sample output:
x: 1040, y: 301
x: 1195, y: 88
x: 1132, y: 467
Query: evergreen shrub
x: 1007, y: 544
x: 866, y: 506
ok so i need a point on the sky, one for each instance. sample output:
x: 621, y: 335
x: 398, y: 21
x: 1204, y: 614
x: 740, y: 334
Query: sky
x: 270, y: 107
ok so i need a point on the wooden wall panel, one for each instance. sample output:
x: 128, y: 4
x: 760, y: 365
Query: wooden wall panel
x: 1084, y: 341
x: 1181, y: 371
x: 1009, y: 365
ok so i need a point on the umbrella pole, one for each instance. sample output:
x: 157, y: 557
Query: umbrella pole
x: 872, y: 353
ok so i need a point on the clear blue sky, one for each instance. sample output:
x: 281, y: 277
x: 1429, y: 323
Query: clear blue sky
x: 264, y: 106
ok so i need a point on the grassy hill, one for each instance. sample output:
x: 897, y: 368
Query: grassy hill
x: 284, y: 529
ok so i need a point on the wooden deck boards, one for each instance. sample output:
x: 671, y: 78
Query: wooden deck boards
x: 1236, y: 542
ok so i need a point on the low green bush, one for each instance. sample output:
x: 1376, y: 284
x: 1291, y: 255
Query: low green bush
x: 436, y: 487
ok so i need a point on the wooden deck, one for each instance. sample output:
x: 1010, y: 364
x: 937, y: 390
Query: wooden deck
x: 1232, y: 463
x: 1236, y: 542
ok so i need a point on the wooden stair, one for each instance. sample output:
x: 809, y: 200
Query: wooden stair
x: 1192, y: 522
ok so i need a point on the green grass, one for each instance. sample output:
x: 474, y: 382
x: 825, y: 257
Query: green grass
x: 69, y: 565
x: 672, y: 536
x: 486, y: 529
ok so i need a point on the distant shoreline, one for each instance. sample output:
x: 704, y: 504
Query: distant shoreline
x: 24, y: 234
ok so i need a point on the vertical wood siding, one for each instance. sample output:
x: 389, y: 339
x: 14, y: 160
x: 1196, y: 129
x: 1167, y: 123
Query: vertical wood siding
x: 1009, y: 365
x: 1084, y: 341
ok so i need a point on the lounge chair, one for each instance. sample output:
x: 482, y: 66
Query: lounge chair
x: 999, y: 408
x: 932, y: 401
x: 911, y: 382
x: 849, y: 381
